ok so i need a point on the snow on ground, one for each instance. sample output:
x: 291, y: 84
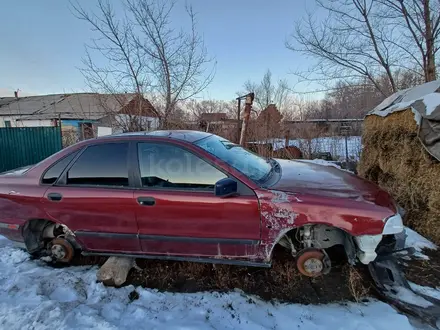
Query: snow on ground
x: 333, y: 144
x: 419, y: 242
x: 36, y: 296
x: 406, y: 295
x: 426, y: 290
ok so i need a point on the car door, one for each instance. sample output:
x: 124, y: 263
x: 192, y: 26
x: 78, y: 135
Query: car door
x: 178, y: 213
x: 93, y: 197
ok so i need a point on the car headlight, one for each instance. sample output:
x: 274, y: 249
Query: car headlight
x: 393, y: 225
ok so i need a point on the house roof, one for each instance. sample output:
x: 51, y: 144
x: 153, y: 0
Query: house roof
x: 68, y: 106
x: 147, y: 109
x: 270, y: 113
x: 214, y: 116
x: 28, y: 105
x: 6, y: 100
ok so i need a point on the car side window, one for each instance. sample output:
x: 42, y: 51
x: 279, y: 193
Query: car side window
x: 101, y: 165
x: 168, y: 166
x: 53, y: 173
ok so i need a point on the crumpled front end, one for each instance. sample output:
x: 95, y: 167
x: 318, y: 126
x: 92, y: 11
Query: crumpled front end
x: 309, y: 223
x: 367, y: 244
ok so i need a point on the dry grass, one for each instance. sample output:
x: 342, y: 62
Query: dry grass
x: 282, y: 281
x: 356, y: 284
x: 394, y: 157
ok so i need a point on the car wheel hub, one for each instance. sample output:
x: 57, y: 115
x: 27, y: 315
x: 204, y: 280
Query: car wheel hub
x: 58, y: 251
x: 313, y: 266
x: 62, y: 250
x: 312, y: 262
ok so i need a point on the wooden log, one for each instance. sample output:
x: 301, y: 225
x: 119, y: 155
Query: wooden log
x: 115, y: 270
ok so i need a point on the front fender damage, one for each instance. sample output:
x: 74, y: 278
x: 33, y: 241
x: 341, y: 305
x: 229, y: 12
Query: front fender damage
x: 367, y: 245
x: 283, y: 212
x: 277, y: 219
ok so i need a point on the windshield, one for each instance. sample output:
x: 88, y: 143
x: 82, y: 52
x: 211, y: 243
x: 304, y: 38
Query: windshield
x: 253, y: 166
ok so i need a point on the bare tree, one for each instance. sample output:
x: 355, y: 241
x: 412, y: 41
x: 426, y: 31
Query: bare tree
x: 379, y: 41
x: 196, y: 107
x: 267, y: 92
x: 348, y: 45
x: 419, y: 22
x: 145, y: 54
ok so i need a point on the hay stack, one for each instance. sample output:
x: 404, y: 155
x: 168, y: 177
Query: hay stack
x: 394, y: 157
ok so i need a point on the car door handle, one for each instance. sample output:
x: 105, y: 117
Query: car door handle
x: 146, y: 201
x: 55, y: 197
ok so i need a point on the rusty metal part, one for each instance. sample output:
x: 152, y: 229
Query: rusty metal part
x: 62, y: 250
x: 311, y: 262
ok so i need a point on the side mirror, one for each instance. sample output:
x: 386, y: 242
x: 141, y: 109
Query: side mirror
x: 225, y: 188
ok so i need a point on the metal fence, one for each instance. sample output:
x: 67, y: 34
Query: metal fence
x: 27, y: 145
x: 339, y: 148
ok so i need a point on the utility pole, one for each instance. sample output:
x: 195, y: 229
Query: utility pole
x: 249, y: 99
x: 238, y: 118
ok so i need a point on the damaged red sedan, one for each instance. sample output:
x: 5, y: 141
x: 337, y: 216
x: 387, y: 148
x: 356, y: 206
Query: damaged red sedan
x: 194, y: 196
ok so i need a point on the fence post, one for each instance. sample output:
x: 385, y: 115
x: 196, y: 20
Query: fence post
x: 61, y: 131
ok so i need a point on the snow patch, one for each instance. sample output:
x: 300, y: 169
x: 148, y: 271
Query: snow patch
x: 320, y: 162
x: 335, y: 145
x: 63, y: 295
x: 426, y: 290
x: 405, y: 99
x: 35, y: 296
x: 323, y: 163
x: 419, y: 242
x: 406, y: 295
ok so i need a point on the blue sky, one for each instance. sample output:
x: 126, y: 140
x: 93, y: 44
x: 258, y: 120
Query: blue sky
x: 43, y: 43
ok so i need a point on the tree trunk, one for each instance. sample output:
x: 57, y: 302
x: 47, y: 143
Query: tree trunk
x: 430, y: 70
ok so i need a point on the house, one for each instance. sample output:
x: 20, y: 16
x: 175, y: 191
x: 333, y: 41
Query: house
x: 210, y: 121
x: 79, y: 113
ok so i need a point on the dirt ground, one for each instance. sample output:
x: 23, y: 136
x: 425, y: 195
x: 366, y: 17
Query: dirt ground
x: 281, y: 282
x: 424, y: 272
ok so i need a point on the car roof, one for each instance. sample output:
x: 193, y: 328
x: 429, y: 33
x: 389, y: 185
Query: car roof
x: 184, y: 135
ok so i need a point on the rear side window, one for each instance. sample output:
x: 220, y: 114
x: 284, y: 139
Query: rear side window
x: 101, y: 165
x: 52, y: 175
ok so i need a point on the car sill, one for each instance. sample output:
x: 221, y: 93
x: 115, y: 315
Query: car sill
x: 177, y: 258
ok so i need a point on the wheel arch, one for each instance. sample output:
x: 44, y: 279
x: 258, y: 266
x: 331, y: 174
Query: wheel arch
x: 347, y: 242
x: 35, y: 229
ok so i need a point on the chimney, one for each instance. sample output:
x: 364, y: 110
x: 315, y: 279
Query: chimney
x: 16, y: 94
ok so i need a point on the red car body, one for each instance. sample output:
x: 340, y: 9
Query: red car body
x: 195, y: 225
